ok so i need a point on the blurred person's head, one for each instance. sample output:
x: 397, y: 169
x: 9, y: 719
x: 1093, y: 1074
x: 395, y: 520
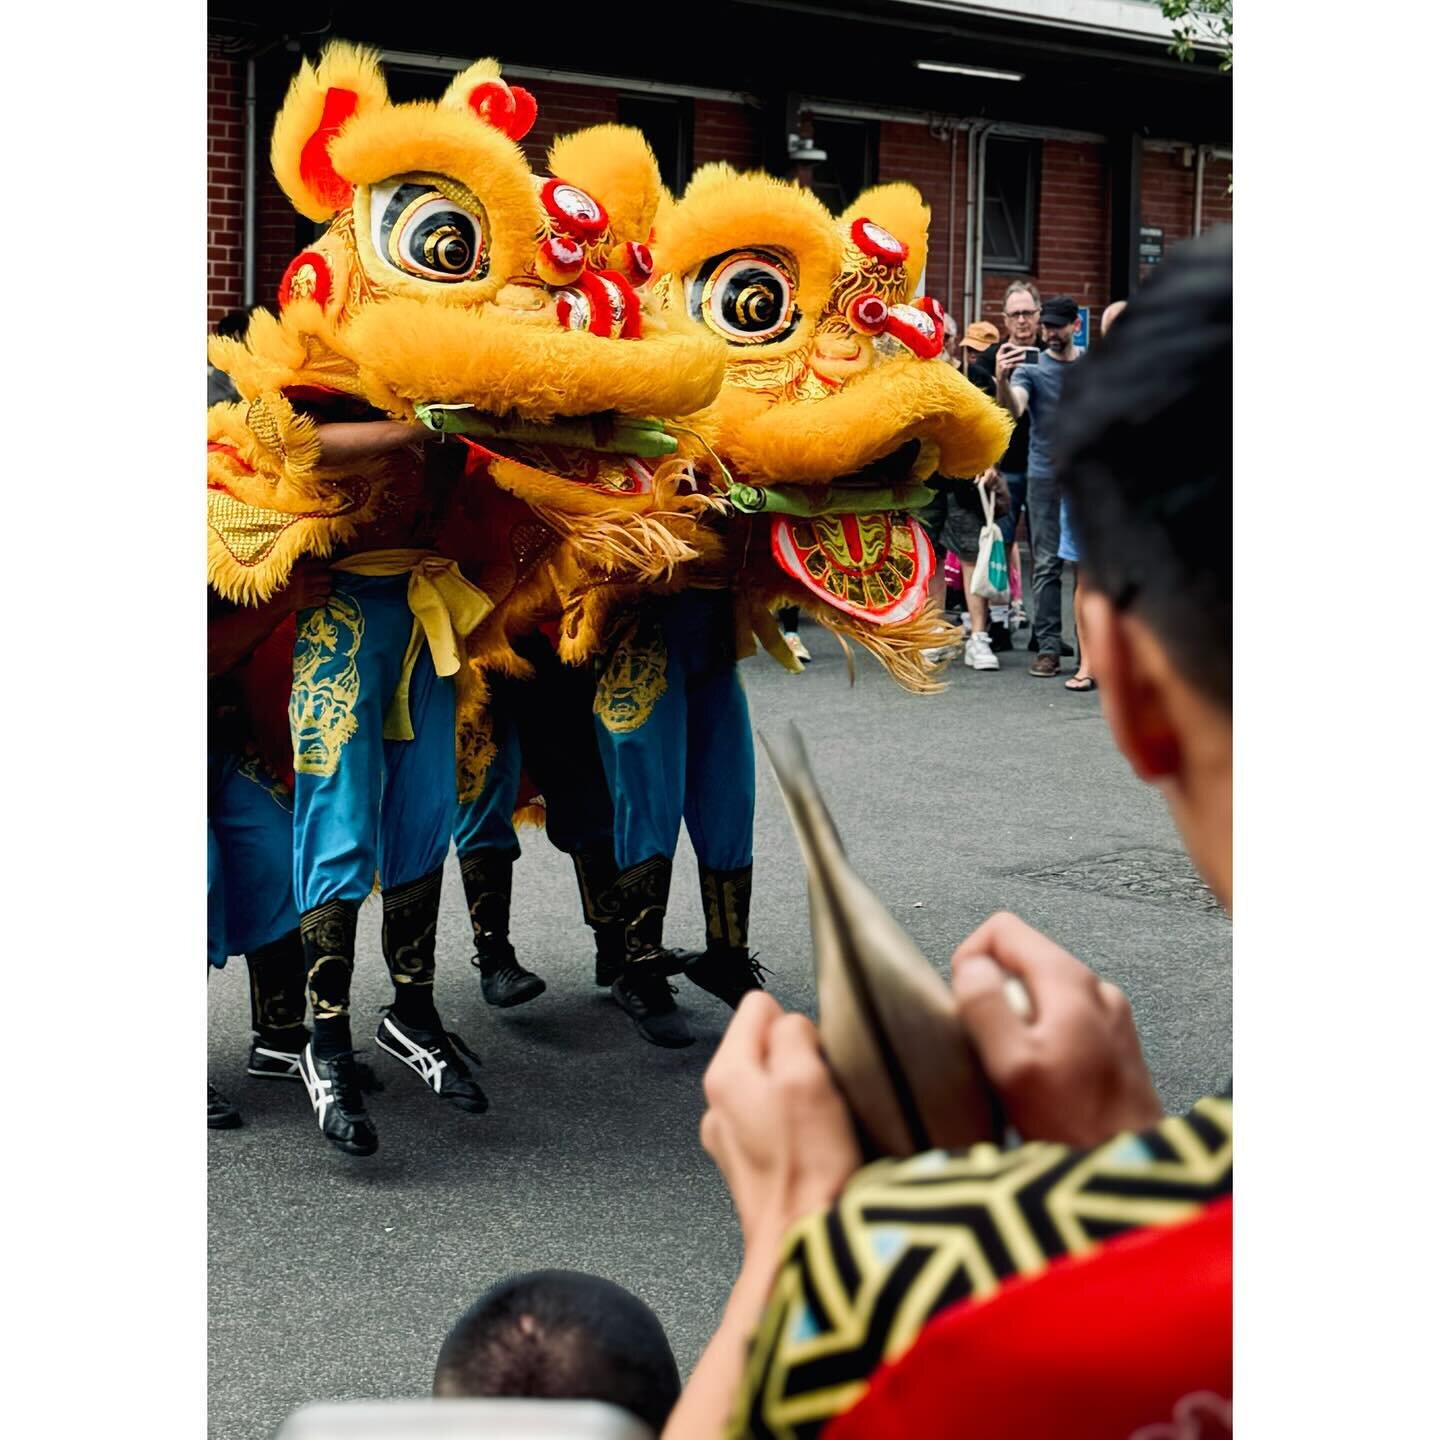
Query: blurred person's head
x: 1021, y: 312
x: 561, y: 1335
x: 1145, y: 457
x: 952, y: 339
x: 1112, y: 312
x: 1059, y: 319
x: 979, y: 336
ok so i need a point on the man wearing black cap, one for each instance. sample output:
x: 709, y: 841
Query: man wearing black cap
x: 1034, y: 390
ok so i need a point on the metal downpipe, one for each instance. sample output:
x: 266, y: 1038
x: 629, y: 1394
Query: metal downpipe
x: 248, y: 258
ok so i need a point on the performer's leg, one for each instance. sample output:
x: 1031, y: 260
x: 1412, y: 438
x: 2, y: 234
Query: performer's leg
x: 720, y: 816
x: 348, y: 655
x: 640, y: 724
x: 277, y: 1007
x: 417, y: 818
x: 486, y: 843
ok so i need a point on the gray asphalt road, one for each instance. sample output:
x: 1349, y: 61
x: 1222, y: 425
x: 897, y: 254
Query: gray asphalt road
x: 336, y: 1278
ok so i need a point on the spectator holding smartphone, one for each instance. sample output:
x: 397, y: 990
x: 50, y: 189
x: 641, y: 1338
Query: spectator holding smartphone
x: 1034, y: 390
x: 1020, y: 314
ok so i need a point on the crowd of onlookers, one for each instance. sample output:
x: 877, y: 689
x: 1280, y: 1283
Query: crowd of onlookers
x: 1075, y: 1280
x: 1025, y: 371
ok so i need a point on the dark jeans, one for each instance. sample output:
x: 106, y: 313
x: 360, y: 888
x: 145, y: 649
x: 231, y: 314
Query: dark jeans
x: 1043, y: 502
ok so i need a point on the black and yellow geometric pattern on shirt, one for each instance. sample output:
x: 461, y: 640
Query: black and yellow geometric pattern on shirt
x: 910, y: 1238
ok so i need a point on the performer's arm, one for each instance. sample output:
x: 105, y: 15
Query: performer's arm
x: 233, y: 634
x: 345, y: 443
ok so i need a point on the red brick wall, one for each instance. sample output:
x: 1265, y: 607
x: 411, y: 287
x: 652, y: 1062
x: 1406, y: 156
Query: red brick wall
x: 726, y: 131
x: 224, y: 191
x: 1072, y: 242
x: 1073, y: 245
x: 1216, y: 202
x: 911, y: 152
x: 1167, y: 194
x: 561, y: 109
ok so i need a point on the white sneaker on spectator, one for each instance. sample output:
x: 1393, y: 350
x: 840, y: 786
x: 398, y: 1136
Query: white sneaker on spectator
x: 936, y: 654
x: 979, y: 655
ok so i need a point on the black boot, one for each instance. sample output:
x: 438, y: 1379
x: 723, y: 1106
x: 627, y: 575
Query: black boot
x: 596, y: 874
x: 412, y: 1030
x: 643, y: 990
x: 726, y: 968
x: 327, y: 1064
x: 277, y: 1007
x: 503, y: 980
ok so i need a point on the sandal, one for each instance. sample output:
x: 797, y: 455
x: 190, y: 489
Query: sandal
x: 1081, y: 684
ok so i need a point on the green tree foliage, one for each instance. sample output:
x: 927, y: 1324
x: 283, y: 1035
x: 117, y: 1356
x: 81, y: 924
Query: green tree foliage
x: 1203, y: 22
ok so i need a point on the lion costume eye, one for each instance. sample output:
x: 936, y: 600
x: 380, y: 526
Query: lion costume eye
x: 745, y: 296
x: 423, y: 232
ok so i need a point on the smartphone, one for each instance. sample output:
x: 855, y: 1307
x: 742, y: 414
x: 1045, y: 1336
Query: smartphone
x: 1031, y: 354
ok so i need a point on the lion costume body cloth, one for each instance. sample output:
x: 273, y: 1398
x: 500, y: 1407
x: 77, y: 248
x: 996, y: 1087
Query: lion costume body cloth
x: 508, y: 313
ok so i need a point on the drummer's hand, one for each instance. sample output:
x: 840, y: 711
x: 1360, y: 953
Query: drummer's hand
x: 1070, y: 1071
x: 776, y: 1126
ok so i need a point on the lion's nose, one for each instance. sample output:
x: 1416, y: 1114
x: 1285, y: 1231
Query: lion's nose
x: 603, y: 302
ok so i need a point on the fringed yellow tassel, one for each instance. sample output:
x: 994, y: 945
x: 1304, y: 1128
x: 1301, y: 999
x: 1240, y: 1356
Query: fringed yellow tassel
x: 898, y: 647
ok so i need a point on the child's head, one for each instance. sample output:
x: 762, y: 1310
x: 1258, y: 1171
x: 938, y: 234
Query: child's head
x: 562, y: 1335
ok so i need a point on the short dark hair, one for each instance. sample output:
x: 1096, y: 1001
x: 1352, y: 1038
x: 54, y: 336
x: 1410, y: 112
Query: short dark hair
x: 1144, y: 451
x: 562, y: 1335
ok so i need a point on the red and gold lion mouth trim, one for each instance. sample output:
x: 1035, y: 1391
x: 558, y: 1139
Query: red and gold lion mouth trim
x: 876, y: 567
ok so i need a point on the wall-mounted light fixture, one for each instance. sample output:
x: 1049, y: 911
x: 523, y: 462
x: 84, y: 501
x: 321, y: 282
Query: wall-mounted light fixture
x: 978, y: 72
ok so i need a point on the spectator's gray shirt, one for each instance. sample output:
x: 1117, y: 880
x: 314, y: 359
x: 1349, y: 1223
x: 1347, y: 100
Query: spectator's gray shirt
x: 1043, y: 382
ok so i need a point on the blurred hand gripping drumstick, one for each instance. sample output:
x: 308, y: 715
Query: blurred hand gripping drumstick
x: 888, y: 1023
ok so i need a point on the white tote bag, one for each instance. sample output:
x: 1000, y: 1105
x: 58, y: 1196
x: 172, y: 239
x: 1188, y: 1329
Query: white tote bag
x: 991, y: 579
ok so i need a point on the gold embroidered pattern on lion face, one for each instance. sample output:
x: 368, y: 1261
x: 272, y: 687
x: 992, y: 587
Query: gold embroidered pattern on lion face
x: 837, y: 405
x: 455, y: 286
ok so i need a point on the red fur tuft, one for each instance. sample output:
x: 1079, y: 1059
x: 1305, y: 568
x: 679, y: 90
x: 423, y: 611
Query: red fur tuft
x: 316, y: 171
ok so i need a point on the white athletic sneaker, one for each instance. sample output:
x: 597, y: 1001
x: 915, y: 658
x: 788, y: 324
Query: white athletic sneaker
x: 979, y: 655
x: 797, y: 646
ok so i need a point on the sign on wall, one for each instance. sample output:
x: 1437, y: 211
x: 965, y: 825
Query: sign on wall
x: 1152, y: 244
x: 1082, y: 328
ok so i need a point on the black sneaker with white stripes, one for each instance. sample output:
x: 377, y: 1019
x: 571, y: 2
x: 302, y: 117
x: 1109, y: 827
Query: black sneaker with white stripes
x: 271, y: 1064
x: 431, y: 1055
x: 336, y: 1092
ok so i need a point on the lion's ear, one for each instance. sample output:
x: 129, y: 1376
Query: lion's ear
x: 481, y: 89
x: 614, y: 164
x: 900, y: 209
x: 347, y: 81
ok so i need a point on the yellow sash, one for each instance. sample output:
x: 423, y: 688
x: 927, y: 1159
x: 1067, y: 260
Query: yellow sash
x: 446, y: 607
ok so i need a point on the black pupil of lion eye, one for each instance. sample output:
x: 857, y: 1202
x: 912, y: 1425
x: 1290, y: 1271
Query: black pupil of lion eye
x: 444, y: 248
x: 752, y: 300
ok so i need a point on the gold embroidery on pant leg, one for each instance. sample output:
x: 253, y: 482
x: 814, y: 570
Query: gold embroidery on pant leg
x: 326, y: 685
x: 328, y: 933
x: 634, y: 679
x: 475, y: 747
